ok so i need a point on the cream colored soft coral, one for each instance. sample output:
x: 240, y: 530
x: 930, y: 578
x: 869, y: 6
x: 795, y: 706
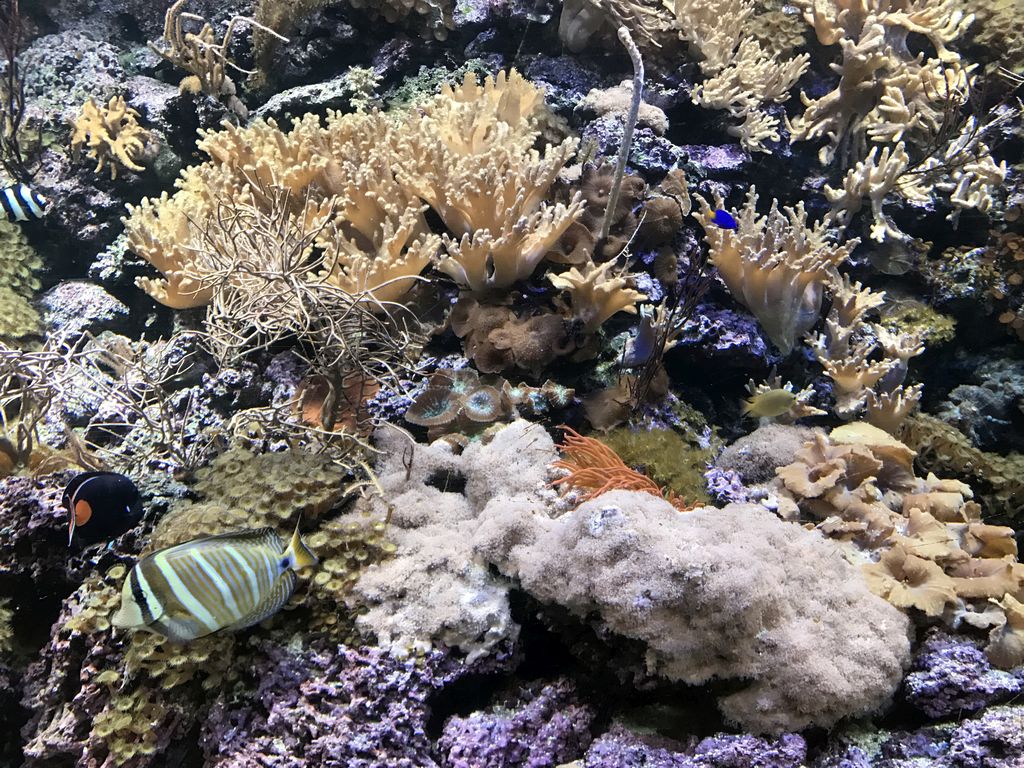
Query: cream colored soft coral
x: 470, y: 158
x: 778, y: 266
x: 741, y: 76
x: 467, y: 153
x: 866, y: 362
x: 111, y: 134
x: 596, y: 295
x: 885, y: 93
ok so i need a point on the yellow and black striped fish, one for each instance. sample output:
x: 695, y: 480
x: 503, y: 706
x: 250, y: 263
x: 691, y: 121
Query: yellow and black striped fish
x: 21, y: 203
x: 231, y: 581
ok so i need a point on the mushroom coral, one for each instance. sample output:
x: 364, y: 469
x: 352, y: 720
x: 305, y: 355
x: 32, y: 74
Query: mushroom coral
x: 926, y: 545
x: 777, y: 266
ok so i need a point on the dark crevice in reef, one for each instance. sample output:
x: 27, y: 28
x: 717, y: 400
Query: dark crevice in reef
x: 448, y: 482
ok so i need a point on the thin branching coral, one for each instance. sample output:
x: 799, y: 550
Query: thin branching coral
x: 592, y: 468
x: 202, y: 56
x: 885, y: 93
x: 777, y: 265
x: 866, y: 361
x: 111, y: 134
x: 741, y: 76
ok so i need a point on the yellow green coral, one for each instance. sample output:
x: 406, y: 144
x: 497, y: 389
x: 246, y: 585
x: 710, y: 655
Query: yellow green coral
x: 241, y: 489
x: 18, y: 266
x: 6, y: 628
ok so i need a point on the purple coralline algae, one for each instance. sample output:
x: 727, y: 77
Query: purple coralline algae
x: 953, y: 675
x: 993, y: 739
x: 725, y: 486
x: 648, y: 153
x: 542, y: 725
x: 331, y: 706
x: 620, y: 748
x: 729, y: 338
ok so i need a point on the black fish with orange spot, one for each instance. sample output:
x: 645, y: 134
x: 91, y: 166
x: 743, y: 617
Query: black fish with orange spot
x: 101, y: 506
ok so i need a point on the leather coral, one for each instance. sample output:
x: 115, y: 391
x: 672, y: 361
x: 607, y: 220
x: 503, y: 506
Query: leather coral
x: 776, y: 265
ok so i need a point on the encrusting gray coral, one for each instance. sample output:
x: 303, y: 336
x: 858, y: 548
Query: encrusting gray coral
x: 733, y: 594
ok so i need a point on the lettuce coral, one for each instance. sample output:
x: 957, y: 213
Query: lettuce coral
x: 929, y: 548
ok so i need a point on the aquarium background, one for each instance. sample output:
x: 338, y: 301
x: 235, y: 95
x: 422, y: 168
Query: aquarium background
x: 597, y: 384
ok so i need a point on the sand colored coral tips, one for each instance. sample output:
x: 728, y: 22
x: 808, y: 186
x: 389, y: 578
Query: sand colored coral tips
x: 111, y: 135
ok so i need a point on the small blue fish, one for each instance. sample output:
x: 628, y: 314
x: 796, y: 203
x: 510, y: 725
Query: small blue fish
x: 724, y: 219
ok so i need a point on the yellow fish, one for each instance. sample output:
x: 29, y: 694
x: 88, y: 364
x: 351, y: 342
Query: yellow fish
x: 768, y: 405
x: 231, y: 581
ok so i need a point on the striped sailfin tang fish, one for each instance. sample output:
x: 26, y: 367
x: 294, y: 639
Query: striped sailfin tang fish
x: 21, y: 203
x: 229, y: 582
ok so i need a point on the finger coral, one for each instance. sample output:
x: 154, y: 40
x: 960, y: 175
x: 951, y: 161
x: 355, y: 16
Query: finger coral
x: 741, y: 76
x: 777, y: 265
x: 885, y: 93
x: 111, y: 134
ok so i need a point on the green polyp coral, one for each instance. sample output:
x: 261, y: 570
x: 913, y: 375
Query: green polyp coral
x: 675, y: 460
x: 997, y: 479
x: 130, y: 725
x: 6, y: 628
x: 912, y: 317
x: 241, y: 489
x: 346, y: 547
x: 98, y: 598
x: 18, y: 266
x: 168, y: 665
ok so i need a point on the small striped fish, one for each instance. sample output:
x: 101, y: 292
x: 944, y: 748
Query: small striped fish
x: 231, y: 581
x: 21, y: 203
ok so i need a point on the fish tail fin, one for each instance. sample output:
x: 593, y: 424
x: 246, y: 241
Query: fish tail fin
x: 298, y: 554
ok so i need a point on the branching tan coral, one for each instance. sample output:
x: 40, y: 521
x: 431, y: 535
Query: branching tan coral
x: 741, y: 75
x: 596, y: 295
x: 202, y: 56
x: 470, y: 158
x: 860, y: 356
x: 111, y: 134
x: 885, y: 93
x: 777, y: 265
x: 581, y: 20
